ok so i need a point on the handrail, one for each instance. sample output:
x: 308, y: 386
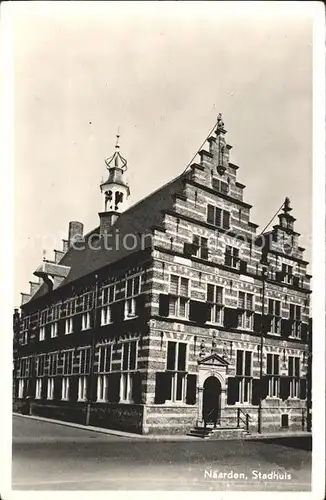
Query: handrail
x: 240, y: 418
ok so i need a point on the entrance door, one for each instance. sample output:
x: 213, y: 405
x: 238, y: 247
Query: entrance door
x: 211, y: 401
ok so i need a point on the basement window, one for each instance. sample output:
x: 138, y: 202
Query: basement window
x: 285, y: 420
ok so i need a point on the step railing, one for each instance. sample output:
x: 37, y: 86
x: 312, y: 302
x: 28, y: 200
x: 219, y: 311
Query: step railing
x: 244, y: 417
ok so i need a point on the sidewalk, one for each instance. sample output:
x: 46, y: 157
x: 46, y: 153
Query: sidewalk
x: 273, y: 435
x: 112, y: 432
x: 157, y: 437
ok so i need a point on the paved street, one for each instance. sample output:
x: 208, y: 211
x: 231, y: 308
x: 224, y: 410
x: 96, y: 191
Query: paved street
x: 48, y: 456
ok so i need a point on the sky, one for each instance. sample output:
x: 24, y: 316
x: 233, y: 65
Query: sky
x: 161, y: 72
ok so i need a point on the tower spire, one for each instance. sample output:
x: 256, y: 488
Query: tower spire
x: 115, y: 189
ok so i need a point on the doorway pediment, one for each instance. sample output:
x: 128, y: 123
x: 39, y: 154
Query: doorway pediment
x: 213, y: 360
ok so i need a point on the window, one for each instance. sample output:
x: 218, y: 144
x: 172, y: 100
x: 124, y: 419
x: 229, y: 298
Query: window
x: 50, y: 388
x: 38, y: 388
x: 129, y: 366
x: 215, y: 298
x: 294, y: 374
x: 82, y: 388
x: 21, y: 384
x: 54, y: 329
x: 53, y: 364
x: 295, y: 317
x: 232, y: 257
x: 285, y: 420
x: 40, y: 365
x: 84, y: 360
x: 244, y: 375
x: 102, y: 385
x: 42, y: 332
x: 287, y: 273
x: 106, y: 315
x: 218, y: 217
x: 65, y: 388
x: 179, y: 302
x: 132, y: 290
x: 246, y: 314
x: 176, y: 364
x: 104, y: 359
x: 220, y: 186
x: 67, y: 362
x: 107, y: 295
x: 86, y: 301
x: 86, y: 321
x: 201, y: 247
x: 119, y: 290
x: 274, y: 310
x: 68, y: 326
x: 273, y: 371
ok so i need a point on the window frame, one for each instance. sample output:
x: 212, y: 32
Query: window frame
x: 176, y: 374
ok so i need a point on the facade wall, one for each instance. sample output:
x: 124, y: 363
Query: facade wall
x: 145, y: 390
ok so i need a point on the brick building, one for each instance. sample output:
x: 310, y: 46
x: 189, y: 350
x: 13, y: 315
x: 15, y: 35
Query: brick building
x: 172, y: 314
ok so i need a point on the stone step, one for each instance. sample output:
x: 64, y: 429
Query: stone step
x: 218, y: 433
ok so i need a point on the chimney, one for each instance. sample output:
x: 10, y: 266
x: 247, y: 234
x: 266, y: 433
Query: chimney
x: 58, y: 254
x: 76, y: 230
x: 65, y: 246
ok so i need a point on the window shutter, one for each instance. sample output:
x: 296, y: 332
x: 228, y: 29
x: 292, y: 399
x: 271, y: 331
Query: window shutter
x: 140, y: 304
x: 44, y: 387
x: 284, y: 388
x: 162, y: 387
x: 195, y: 240
x: 114, y: 387
x: 191, y: 389
x: 210, y: 214
x: 257, y: 323
x: 267, y: 322
x: 226, y: 219
x: 76, y: 322
x: 92, y: 389
x: 280, y: 275
x: 61, y: 327
x: 47, y: 332
x: 233, y: 390
x: 164, y: 301
x: 137, y: 387
x: 231, y: 317
x: 73, y: 388
x: 243, y: 266
x: 303, y: 388
x: 204, y: 253
x: 188, y: 250
x: 256, y: 390
x: 117, y: 311
x: 304, y: 332
x: 91, y: 319
x: 286, y: 327
x: 32, y: 387
x: 264, y: 387
x: 296, y: 281
x: 198, y: 311
x: 218, y: 217
x: 57, y: 387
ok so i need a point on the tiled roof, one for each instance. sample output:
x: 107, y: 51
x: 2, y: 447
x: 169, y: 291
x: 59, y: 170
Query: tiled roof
x: 137, y: 220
